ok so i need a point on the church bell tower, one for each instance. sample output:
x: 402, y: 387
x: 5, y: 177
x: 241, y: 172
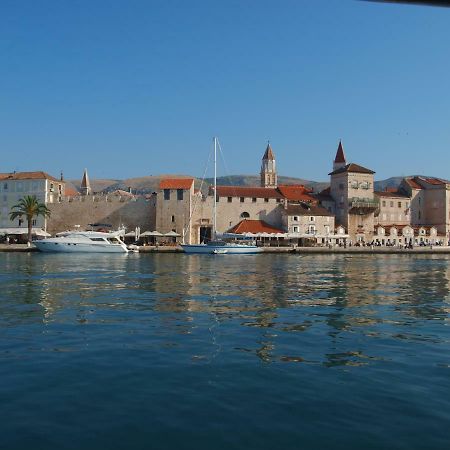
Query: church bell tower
x: 268, y: 169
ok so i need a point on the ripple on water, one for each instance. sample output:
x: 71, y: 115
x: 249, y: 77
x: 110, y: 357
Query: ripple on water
x: 264, y: 351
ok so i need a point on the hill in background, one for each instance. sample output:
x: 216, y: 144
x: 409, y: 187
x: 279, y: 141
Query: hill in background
x: 149, y: 184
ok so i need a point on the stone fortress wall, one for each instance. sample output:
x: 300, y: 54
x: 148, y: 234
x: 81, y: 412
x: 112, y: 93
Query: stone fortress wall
x: 115, y: 210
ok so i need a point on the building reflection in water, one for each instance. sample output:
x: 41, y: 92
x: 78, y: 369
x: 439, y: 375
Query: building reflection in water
x: 319, y: 309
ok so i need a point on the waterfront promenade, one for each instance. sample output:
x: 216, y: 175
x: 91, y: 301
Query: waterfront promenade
x: 277, y: 250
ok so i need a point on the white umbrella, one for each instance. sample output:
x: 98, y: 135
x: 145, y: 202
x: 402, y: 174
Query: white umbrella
x: 172, y: 234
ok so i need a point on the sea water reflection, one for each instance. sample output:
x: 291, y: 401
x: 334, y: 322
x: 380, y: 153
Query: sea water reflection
x: 258, y: 304
x: 382, y: 317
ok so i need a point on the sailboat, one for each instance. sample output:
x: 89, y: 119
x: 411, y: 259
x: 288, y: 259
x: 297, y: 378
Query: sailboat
x: 217, y: 246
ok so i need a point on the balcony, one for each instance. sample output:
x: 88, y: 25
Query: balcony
x: 359, y: 205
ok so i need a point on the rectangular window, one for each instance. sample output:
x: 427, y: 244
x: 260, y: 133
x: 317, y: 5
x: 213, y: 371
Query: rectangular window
x: 278, y: 200
x: 399, y: 204
x: 266, y: 200
x: 5, y: 186
x: 295, y: 218
x: 230, y: 199
x: 242, y: 199
x: 33, y: 222
x: 312, y: 219
x: 20, y: 222
x: 391, y: 204
x: 179, y: 194
x: 254, y: 199
x: 383, y: 203
x: 173, y: 219
x: 166, y: 194
x: 295, y: 229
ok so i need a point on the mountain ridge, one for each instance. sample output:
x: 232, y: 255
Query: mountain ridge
x: 148, y: 184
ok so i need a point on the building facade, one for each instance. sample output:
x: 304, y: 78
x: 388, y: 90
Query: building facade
x: 16, y: 185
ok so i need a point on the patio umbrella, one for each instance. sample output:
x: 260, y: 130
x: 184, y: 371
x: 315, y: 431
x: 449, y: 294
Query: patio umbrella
x: 172, y: 234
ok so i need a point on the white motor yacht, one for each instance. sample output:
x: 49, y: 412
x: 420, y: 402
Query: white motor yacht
x: 83, y: 241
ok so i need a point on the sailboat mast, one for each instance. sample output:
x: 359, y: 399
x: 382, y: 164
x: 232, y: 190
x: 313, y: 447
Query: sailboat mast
x: 215, y: 190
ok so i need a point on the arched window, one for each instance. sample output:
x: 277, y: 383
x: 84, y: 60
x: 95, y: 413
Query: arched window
x: 245, y: 215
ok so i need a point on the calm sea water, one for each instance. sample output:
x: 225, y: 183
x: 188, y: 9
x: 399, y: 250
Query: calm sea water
x: 224, y: 352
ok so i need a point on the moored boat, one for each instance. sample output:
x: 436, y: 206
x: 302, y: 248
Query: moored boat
x: 83, y: 242
x: 216, y: 246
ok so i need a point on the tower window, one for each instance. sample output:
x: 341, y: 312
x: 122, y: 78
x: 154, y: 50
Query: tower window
x: 245, y: 215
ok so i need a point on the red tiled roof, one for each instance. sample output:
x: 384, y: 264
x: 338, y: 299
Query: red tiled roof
x: 176, y: 183
x: 296, y: 192
x: 307, y: 210
x: 393, y: 194
x: 434, y: 181
x: 70, y: 192
x: 355, y: 168
x: 254, y: 226
x: 340, y: 157
x: 413, y: 183
x: 28, y: 176
x: 248, y: 191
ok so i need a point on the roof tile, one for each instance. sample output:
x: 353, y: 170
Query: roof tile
x: 254, y: 226
x: 176, y: 183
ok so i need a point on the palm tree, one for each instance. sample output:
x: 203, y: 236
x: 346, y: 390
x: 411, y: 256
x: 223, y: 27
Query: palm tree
x: 29, y: 206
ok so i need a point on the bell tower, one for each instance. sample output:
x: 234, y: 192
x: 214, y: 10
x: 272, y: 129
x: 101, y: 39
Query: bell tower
x: 85, y: 184
x: 268, y: 169
x: 339, y: 160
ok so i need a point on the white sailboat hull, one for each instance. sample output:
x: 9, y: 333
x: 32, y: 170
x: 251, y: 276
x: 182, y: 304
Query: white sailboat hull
x: 240, y: 249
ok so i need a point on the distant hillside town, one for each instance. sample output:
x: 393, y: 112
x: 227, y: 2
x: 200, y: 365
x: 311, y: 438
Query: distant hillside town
x: 349, y: 211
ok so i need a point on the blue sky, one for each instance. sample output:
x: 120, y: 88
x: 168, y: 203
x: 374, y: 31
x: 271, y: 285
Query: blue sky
x: 133, y: 88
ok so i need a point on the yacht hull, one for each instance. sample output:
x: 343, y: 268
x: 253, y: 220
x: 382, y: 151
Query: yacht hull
x: 49, y: 246
x: 222, y: 249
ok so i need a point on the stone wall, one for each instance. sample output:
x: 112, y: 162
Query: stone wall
x: 115, y: 210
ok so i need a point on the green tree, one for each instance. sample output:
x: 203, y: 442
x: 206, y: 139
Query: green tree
x: 29, y: 207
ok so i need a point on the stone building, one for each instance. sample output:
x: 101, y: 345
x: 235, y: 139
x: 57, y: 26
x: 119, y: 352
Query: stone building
x: 16, y: 185
x: 393, y: 208
x: 309, y: 222
x: 190, y: 213
x: 429, y: 202
x: 85, y: 187
x: 119, y: 211
x: 352, y: 191
x: 174, y: 206
x: 268, y: 169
